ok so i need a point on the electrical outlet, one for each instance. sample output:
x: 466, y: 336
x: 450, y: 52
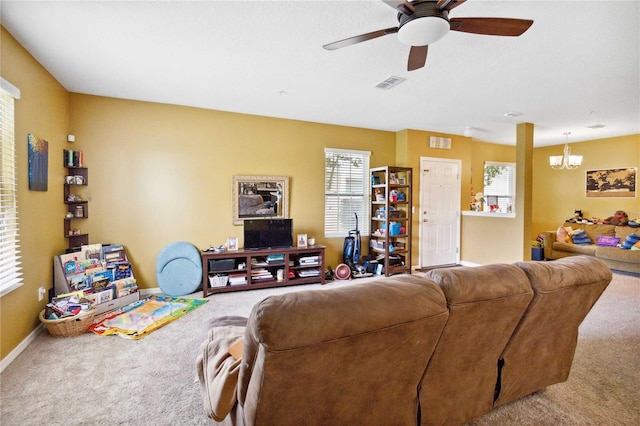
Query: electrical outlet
x: 41, y: 292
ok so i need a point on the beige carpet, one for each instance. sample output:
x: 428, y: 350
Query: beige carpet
x: 95, y: 380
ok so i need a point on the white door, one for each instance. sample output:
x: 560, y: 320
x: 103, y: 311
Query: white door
x: 439, y: 211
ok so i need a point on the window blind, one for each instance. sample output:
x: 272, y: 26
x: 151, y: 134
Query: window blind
x: 10, y: 265
x: 346, y: 192
x: 501, y: 189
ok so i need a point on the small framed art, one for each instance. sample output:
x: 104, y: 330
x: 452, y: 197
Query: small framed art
x: 302, y: 240
x: 232, y: 243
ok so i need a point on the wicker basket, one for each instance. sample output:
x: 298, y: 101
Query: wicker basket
x: 218, y: 280
x: 69, y: 326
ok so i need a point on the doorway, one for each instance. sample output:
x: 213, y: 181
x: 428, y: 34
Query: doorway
x: 439, y: 212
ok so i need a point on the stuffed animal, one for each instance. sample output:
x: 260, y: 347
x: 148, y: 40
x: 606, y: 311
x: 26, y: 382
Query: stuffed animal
x: 577, y: 217
x: 619, y: 218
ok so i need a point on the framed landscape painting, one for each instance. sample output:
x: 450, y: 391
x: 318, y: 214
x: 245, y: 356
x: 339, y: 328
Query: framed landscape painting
x: 611, y: 183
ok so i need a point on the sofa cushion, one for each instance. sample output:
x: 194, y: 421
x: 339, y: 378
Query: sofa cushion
x: 485, y: 305
x: 574, y: 248
x: 594, y: 231
x: 540, y: 352
x: 312, y: 355
x: 624, y: 231
x: 618, y: 254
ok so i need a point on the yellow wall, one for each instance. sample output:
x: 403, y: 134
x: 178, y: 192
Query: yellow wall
x: 557, y: 193
x: 414, y: 144
x: 42, y: 110
x: 490, y: 240
x: 162, y: 173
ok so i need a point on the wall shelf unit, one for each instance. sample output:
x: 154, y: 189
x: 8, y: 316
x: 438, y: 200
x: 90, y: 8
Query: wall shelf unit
x: 391, y: 215
x: 77, y: 209
x: 264, y: 268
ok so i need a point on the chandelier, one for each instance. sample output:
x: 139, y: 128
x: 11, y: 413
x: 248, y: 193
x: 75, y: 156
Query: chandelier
x: 565, y: 161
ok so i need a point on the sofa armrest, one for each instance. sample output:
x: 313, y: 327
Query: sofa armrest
x: 549, y: 237
x: 218, y: 367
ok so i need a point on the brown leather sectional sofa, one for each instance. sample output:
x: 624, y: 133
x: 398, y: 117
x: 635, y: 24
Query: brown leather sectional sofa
x: 437, y: 348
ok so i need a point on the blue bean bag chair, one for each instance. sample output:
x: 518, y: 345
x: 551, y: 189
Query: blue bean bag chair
x: 179, y: 269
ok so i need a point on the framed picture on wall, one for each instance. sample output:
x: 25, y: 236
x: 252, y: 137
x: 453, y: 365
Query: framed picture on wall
x: 611, y: 183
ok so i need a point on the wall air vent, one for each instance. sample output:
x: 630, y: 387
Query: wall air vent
x: 441, y: 143
x: 390, y: 82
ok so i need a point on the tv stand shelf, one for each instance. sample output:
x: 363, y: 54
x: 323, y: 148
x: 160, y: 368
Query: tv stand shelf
x: 254, y: 269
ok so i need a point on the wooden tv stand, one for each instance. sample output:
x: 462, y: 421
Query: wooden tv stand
x: 253, y: 269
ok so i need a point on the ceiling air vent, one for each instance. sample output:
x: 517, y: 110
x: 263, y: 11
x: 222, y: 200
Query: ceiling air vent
x: 442, y: 143
x: 390, y: 82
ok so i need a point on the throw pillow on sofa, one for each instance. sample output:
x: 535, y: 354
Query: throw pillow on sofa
x: 563, y: 234
x: 607, y: 241
x: 630, y: 241
x: 580, y: 237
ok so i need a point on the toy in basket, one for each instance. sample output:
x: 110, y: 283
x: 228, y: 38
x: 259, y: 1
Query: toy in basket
x: 69, y: 326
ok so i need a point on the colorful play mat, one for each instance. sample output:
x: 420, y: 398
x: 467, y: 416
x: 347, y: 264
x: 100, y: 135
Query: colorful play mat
x: 140, y: 318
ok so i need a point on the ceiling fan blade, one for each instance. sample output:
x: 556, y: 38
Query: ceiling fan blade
x: 449, y: 4
x: 401, y: 6
x: 491, y: 26
x: 360, y: 38
x: 417, y: 57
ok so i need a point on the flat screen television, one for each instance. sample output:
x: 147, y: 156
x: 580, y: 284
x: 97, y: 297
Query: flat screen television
x: 268, y: 233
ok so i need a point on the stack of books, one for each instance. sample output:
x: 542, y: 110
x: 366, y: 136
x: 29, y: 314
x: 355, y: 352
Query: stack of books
x: 261, y: 274
x: 237, y: 279
x: 275, y: 259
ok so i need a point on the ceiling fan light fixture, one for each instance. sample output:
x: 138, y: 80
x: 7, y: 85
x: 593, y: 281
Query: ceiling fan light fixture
x: 423, y: 31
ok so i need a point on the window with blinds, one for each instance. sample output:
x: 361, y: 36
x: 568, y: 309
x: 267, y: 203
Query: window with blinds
x: 10, y: 267
x: 346, y: 192
x: 500, y: 185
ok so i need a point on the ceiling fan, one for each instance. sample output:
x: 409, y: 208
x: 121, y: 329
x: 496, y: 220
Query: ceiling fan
x: 422, y: 23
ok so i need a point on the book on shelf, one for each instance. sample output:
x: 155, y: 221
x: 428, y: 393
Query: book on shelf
x: 257, y: 262
x: 275, y: 259
x: 309, y: 273
x: 72, y: 158
x: 261, y: 274
x: 236, y: 279
x: 309, y: 260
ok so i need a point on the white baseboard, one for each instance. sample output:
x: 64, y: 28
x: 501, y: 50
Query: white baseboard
x: 6, y: 361
x: 144, y: 292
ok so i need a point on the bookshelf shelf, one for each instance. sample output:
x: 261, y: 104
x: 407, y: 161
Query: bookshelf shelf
x: 77, y: 177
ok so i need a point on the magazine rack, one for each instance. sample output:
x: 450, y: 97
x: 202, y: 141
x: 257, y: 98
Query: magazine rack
x: 101, y: 272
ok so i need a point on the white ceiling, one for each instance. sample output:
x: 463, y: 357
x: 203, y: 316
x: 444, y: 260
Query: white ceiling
x: 578, y: 65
